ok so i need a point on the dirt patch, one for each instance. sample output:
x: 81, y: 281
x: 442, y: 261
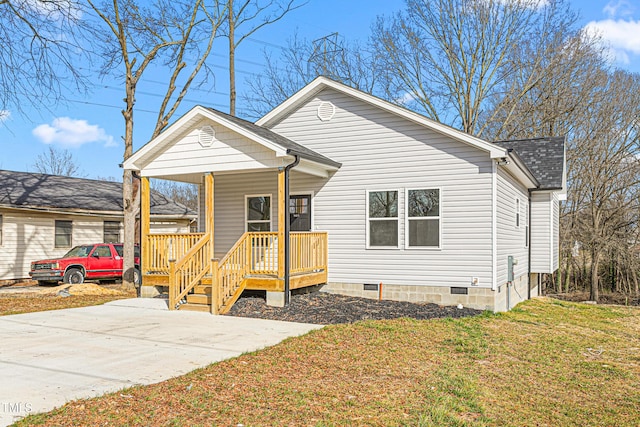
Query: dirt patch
x: 81, y: 289
x: 324, y: 309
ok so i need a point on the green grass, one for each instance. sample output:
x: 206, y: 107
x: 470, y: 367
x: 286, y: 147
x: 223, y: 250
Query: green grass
x: 546, y: 363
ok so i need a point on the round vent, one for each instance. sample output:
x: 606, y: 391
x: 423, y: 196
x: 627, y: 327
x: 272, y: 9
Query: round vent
x: 206, y: 136
x: 326, y: 111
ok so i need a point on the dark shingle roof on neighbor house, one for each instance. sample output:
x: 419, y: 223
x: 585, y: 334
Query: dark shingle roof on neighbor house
x: 41, y: 191
x: 543, y: 156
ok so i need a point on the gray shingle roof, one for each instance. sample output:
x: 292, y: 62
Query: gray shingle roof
x: 543, y: 156
x: 286, y: 143
x: 35, y: 190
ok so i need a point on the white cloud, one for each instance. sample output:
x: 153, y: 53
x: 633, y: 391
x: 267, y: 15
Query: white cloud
x: 406, y: 98
x: 4, y: 115
x: 618, y: 8
x: 621, y: 36
x: 72, y: 133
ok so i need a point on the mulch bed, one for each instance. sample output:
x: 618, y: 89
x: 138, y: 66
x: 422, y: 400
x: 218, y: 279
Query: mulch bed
x: 323, y: 308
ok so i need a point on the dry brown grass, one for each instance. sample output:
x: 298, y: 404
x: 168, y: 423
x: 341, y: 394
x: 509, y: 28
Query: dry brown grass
x: 547, y: 363
x: 32, y: 302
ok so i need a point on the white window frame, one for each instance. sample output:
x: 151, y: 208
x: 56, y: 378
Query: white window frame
x: 368, y: 219
x: 246, y: 210
x: 517, y: 212
x: 104, y: 224
x: 407, y: 218
x: 55, y: 234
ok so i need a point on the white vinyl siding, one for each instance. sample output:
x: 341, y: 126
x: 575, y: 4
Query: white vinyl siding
x: 0, y: 230
x: 511, y: 238
x: 229, y: 151
x: 29, y: 236
x: 379, y: 150
x: 541, y: 232
x: 555, y: 221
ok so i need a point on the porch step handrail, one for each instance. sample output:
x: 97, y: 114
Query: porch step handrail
x: 187, y: 272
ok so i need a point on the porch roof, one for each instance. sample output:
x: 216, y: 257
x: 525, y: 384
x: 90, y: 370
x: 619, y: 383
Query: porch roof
x: 270, y: 141
x: 291, y: 146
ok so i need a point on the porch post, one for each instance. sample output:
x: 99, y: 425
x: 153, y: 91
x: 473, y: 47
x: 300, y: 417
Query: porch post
x: 281, y: 223
x: 145, y: 222
x: 209, y: 194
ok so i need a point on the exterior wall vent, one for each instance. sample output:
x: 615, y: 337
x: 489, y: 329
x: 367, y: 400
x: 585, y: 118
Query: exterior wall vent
x: 206, y: 134
x: 459, y: 291
x: 326, y: 111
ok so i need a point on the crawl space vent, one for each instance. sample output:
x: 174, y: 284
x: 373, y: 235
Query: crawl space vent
x: 206, y: 135
x: 326, y: 111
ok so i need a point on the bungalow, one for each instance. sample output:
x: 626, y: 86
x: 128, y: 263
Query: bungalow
x: 339, y: 188
x: 43, y: 216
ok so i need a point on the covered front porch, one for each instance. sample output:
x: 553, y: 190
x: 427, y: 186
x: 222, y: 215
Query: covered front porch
x: 249, y: 234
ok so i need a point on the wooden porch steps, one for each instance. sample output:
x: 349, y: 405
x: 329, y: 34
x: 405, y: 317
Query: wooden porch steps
x: 199, y: 300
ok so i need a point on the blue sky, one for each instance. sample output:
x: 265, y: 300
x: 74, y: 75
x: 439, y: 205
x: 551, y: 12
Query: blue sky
x: 91, y: 126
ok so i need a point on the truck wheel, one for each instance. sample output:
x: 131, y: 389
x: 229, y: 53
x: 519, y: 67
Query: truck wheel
x: 73, y: 276
x: 137, y: 279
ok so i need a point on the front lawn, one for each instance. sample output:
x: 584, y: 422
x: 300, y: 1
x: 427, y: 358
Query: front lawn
x: 546, y: 363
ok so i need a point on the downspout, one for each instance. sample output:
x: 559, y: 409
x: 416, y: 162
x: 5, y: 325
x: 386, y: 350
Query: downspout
x: 287, y: 227
x: 529, y: 247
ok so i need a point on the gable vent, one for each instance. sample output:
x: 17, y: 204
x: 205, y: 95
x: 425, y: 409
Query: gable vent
x: 206, y: 136
x: 326, y: 111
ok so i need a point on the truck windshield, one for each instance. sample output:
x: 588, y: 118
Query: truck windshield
x: 79, y: 251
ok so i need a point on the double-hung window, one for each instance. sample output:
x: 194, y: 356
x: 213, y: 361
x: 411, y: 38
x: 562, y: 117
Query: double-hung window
x: 63, y: 232
x: 258, y: 213
x: 383, y: 219
x: 423, y: 218
x: 111, y: 232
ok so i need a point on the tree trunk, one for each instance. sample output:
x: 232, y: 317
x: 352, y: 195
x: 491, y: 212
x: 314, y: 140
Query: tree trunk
x: 595, y: 261
x: 130, y: 203
x: 232, y: 61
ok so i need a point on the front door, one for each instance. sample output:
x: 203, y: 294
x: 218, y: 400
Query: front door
x: 300, y: 212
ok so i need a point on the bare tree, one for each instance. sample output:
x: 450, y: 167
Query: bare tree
x: 186, y: 194
x: 57, y: 162
x: 301, y: 62
x: 250, y: 16
x: 448, y: 58
x: 605, y: 174
x: 40, y: 45
x: 175, y: 35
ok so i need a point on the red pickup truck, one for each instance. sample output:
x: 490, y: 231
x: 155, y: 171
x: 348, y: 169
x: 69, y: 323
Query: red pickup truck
x: 100, y: 261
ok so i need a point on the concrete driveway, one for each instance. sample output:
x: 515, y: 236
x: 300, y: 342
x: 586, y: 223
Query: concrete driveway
x: 49, y: 358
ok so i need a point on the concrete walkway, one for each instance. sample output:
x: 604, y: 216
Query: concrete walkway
x: 49, y: 358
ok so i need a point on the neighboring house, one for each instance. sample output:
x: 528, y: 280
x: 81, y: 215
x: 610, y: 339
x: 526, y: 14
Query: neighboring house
x: 381, y: 202
x: 43, y: 216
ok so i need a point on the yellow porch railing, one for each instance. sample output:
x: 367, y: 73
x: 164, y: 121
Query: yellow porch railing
x: 187, y: 272
x: 308, y: 252
x: 159, y: 248
x: 187, y: 259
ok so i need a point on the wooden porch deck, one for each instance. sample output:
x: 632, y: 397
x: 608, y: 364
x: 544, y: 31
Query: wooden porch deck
x: 184, y: 262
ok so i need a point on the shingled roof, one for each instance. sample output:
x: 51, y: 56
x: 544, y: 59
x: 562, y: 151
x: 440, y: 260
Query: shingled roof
x: 41, y: 191
x: 543, y: 156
